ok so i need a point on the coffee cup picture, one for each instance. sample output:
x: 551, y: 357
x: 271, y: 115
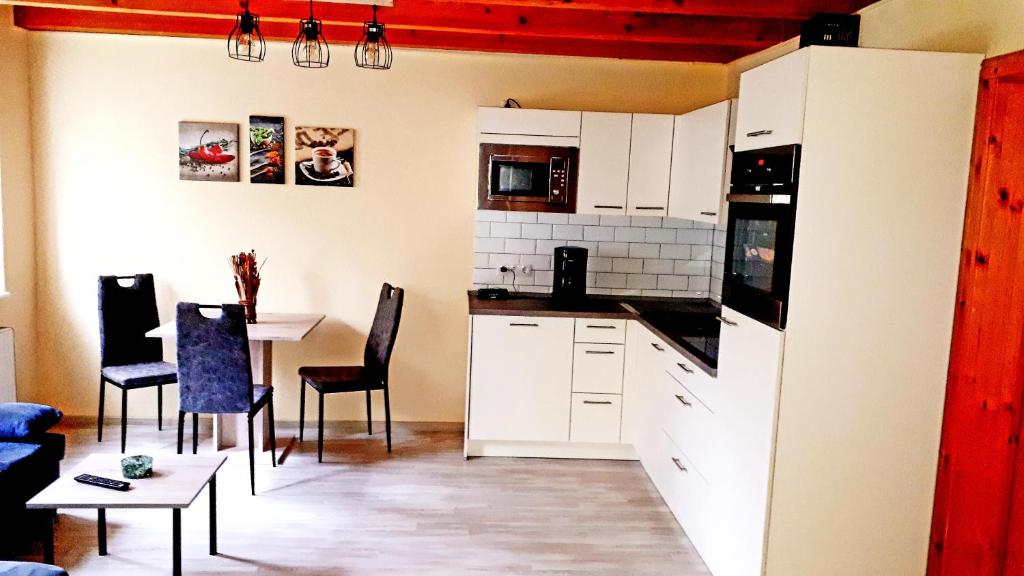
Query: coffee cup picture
x: 324, y: 156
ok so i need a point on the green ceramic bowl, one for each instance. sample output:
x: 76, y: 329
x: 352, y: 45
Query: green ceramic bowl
x: 135, y: 467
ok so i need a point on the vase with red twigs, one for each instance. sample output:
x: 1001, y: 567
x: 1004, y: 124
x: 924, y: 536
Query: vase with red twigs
x: 247, y: 281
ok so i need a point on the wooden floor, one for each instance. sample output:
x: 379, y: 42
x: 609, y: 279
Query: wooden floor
x: 422, y: 511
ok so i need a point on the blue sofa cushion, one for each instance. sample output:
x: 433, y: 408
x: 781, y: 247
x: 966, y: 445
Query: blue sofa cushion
x: 23, y: 420
x: 29, y: 569
x: 11, y: 453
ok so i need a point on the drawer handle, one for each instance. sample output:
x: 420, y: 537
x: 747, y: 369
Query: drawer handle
x: 604, y: 326
x: 523, y: 324
x: 597, y: 401
x: 757, y: 133
x: 683, y: 401
x: 600, y: 352
x: 656, y: 347
x: 726, y: 321
x: 709, y: 213
x: 649, y: 208
x: 606, y: 206
x: 679, y: 464
x: 685, y: 368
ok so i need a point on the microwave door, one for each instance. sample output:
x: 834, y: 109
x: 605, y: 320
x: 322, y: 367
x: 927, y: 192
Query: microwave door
x: 519, y: 179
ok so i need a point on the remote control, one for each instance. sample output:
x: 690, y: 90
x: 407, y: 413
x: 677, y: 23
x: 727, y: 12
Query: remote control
x: 102, y: 482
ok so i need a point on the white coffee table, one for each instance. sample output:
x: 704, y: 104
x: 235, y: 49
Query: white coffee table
x: 176, y: 482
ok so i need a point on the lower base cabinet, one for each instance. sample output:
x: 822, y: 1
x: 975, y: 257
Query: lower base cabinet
x: 596, y: 418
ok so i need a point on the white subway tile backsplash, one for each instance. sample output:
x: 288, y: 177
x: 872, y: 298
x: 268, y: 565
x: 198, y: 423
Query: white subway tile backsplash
x: 490, y: 245
x: 567, y: 232
x: 552, y: 218
x: 544, y: 277
x: 692, y: 268
x: 693, y: 236
x: 676, y: 223
x: 627, y: 234
x: 645, y: 221
x: 537, y: 231
x: 658, y: 266
x: 498, y: 260
x: 482, y: 229
x: 675, y: 251
x: 627, y: 265
x: 486, y: 276
x: 547, y: 247
x: 524, y: 217
x: 506, y: 230
x: 520, y: 246
x: 584, y: 219
x: 672, y: 282
x: 490, y: 216
x: 642, y: 281
x: 614, y: 220
x: 719, y: 238
x: 716, y: 289
x: 702, y: 283
x: 611, y: 280
x: 659, y: 235
x: 613, y: 249
x: 599, y: 264
x: 590, y: 246
x: 644, y: 250
x: 700, y: 252
x: 663, y: 293
x: 481, y: 260
x: 538, y: 262
x: 599, y: 233
x: 591, y: 279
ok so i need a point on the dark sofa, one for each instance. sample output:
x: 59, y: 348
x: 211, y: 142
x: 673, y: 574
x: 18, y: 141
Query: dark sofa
x: 30, y: 458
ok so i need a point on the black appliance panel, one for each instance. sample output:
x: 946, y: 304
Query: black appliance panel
x: 570, y: 278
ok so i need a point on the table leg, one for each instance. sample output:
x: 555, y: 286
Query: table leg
x: 101, y: 530
x: 213, y: 515
x: 176, y: 541
x: 48, y: 538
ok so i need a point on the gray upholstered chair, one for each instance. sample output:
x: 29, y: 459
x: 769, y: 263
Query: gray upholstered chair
x: 372, y: 375
x: 128, y: 359
x: 215, y: 373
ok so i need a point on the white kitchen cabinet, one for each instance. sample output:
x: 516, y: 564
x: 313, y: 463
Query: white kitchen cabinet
x: 772, y: 98
x: 604, y: 163
x: 597, y: 368
x: 596, y: 418
x: 650, y: 164
x: 701, y: 162
x: 521, y: 378
x: 631, y: 409
x: 600, y: 330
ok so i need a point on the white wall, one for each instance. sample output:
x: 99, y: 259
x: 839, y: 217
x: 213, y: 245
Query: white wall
x: 105, y: 112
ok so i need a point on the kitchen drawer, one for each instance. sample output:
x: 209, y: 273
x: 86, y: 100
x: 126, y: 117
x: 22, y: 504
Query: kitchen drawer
x: 597, y: 368
x: 700, y: 383
x: 691, y: 499
x: 595, y: 418
x: 690, y: 424
x: 600, y: 331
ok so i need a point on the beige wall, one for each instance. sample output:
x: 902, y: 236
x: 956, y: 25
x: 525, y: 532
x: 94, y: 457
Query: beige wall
x: 990, y: 27
x: 17, y: 309
x: 109, y: 200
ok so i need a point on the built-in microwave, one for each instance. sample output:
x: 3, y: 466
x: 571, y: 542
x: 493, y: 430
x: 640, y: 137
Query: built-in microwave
x: 527, y: 177
x: 759, y: 240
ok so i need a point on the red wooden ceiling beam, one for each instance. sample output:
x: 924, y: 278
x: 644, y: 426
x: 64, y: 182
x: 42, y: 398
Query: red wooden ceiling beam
x: 150, y: 24
x: 782, y: 9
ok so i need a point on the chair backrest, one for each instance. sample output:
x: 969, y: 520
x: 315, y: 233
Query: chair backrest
x: 126, y: 314
x: 214, y: 373
x: 380, y: 343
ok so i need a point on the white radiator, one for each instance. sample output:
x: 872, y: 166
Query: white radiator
x: 8, y: 389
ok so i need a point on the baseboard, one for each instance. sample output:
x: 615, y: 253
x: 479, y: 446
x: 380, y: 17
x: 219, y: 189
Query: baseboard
x: 550, y: 450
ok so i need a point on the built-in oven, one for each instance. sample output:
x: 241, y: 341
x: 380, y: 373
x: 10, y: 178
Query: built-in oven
x: 527, y: 177
x: 759, y: 241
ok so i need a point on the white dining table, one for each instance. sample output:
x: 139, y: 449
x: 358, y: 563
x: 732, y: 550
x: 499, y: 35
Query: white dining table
x: 229, y: 430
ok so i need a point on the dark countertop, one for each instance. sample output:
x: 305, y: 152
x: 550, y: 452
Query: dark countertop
x: 689, y: 325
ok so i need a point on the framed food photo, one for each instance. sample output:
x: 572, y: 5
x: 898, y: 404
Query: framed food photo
x: 266, y: 149
x: 208, y: 151
x: 325, y: 156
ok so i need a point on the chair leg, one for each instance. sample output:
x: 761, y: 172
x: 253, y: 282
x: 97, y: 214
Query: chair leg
x: 181, y: 430
x: 99, y: 419
x: 124, y: 418
x: 273, y: 433
x: 387, y: 416
x: 195, y: 433
x: 369, y: 415
x: 320, y: 431
x: 252, y: 459
x: 160, y: 407
x: 302, y: 406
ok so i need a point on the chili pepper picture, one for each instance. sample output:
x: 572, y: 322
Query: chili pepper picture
x: 208, y: 151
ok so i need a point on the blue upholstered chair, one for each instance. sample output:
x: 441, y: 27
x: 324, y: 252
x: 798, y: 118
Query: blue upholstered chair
x: 128, y: 359
x: 215, y: 373
x: 372, y: 375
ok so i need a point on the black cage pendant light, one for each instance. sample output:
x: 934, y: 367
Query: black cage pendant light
x: 310, y: 49
x: 246, y: 41
x: 373, y: 50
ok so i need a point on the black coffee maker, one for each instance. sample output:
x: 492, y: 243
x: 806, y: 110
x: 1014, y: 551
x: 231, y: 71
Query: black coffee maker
x: 570, y: 273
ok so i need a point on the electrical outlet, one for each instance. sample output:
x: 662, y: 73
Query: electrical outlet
x: 527, y: 269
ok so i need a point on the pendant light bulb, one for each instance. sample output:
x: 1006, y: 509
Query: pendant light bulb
x: 245, y: 42
x: 310, y: 49
x: 373, y: 50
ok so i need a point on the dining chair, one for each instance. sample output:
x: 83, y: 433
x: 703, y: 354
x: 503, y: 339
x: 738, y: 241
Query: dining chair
x: 128, y: 359
x: 215, y: 373
x: 372, y: 375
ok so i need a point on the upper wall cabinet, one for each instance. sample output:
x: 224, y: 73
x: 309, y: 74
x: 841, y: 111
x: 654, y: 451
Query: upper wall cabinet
x: 701, y: 162
x: 650, y: 165
x: 773, y: 96
x: 520, y: 125
x: 604, y: 163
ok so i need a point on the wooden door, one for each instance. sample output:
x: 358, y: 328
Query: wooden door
x: 978, y: 519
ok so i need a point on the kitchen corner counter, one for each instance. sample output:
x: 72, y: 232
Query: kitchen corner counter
x: 688, y: 325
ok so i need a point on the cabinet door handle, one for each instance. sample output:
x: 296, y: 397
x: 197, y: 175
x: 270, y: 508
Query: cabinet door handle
x: 597, y: 401
x: 606, y: 206
x: 726, y: 321
x: 757, y: 133
x: 523, y: 324
x: 656, y: 347
x: 601, y: 326
x: 685, y: 368
x: 649, y: 208
x: 679, y: 464
x: 683, y: 401
x: 709, y: 213
x: 600, y: 352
